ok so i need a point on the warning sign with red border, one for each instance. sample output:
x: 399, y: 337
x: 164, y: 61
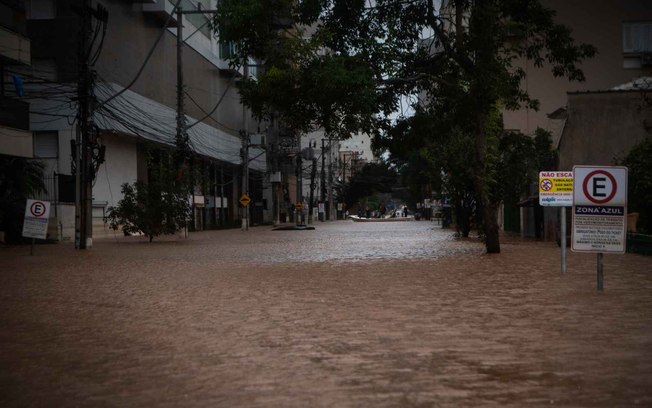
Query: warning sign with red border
x: 599, y: 209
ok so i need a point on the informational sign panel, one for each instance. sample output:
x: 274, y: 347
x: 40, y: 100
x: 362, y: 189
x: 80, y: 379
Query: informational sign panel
x: 599, y: 209
x: 556, y: 188
x: 37, y: 213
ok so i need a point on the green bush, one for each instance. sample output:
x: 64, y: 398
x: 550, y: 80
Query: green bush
x: 150, y: 208
x: 20, y: 179
x: 639, y: 162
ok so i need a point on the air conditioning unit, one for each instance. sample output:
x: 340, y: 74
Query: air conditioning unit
x: 646, y: 59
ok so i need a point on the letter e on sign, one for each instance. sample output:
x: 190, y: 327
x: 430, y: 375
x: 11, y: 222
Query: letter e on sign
x: 37, y: 209
x: 600, y: 185
x: 599, y: 209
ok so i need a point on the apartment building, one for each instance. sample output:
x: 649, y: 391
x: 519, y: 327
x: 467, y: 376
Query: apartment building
x: 590, y: 123
x: 621, y: 30
x: 15, y: 51
x: 134, y: 59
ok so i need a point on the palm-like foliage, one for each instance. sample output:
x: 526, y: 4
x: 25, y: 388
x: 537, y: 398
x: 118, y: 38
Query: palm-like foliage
x: 20, y: 179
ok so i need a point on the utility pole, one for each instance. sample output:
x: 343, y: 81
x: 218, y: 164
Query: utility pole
x: 313, y: 174
x: 182, y: 140
x: 245, y: 171
x: 182, y: 136
x: 82, y: 239
x: 330, y: 181
x: 323, y: 175
x: 87, y: 153
x: 245, y: 149
x: 298, y: 212
x: 276, y: 182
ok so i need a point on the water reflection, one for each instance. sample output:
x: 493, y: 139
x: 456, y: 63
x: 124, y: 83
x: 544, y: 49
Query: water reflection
x: 349, y: 241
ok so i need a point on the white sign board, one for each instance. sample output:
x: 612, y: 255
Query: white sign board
x: 556, y: 188
x: 37, y: 214
x: 599, y: 209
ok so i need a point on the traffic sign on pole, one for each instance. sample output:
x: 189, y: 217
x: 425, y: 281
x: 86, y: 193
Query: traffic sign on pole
x: 245, y: 200
x: 599, y: 212
x: 556, y: 188
x: 37, y: 214
x: 599, y: 209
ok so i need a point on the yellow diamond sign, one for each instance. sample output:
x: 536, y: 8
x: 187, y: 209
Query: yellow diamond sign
x: 245, y: 200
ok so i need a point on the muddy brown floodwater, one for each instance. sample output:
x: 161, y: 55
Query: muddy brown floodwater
x: 347, y: 315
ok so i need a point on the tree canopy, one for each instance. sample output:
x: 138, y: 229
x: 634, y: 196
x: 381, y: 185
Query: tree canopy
x: 343, y: 65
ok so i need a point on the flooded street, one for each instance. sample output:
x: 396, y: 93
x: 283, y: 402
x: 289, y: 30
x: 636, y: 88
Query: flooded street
x: 348, y: 315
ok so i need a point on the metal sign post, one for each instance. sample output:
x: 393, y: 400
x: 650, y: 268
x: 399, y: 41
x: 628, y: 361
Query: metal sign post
x: 600, y: 271
x: 599, y: 212
x: 244, y: 201
x: 562, y: 211
x: 556, y: 190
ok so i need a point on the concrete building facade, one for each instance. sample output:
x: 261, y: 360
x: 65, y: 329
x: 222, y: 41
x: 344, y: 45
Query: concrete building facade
x: 15, y: 52
x: 622, y: 33
x: 137, y: 61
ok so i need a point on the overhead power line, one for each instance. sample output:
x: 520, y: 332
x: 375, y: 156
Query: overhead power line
x: 149, y: 55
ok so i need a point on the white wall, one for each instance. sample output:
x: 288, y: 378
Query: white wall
x: 359, y: 143
x: 120, y: 167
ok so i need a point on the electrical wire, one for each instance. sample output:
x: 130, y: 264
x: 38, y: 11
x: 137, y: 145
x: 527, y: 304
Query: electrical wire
x: 208, y: 114
x: 149, y: 55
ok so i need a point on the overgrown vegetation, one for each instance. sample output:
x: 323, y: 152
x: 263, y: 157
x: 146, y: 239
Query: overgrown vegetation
x: 159, y: 206
x: 344, y: 65
x: 639, y: 162
x: 364, y: 188
x: 20, y: 179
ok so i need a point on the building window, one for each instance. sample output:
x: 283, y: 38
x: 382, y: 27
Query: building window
x: 46, y: 149
x: 46, y: 145
x: 227, y: 50
x: 637, y: 37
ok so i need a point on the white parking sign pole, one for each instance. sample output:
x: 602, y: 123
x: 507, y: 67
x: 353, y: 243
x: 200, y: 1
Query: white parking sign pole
x: 599, y: 212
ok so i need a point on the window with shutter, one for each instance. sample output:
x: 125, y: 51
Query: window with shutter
x: 637, y: 37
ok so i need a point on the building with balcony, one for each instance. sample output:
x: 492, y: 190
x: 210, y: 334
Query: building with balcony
x: 134, y: 103
x: 15, y: 52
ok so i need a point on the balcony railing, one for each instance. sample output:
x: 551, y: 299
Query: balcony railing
x: 14, y: 47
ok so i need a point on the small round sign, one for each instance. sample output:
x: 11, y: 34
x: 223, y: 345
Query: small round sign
x: 37, y: 209
x: 546, y: 184
x: 599, y: 186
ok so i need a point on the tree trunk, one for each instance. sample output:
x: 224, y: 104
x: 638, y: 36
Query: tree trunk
x: 489, y: 218
x: 492, y: 240
x: 484, y: 50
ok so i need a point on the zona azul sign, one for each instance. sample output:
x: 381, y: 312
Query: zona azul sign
x: 599, y: 209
